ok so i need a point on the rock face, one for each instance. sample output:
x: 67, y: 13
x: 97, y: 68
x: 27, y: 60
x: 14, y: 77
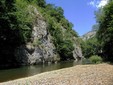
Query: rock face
x: 41, y: 48
x: 77, y: 52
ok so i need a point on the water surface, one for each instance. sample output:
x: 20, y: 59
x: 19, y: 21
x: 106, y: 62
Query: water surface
x: 11, y: 74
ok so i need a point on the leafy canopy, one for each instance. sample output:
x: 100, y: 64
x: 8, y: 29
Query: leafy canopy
x: 105, y: 32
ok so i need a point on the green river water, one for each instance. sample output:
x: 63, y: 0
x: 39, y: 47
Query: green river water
x: 25, y: 71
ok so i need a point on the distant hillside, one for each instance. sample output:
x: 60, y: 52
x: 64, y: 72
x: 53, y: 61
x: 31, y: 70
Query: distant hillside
x: 88, y: 35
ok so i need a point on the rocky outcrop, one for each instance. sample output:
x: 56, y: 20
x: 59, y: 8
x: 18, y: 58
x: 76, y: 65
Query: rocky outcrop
x: 77, y: 52
x: 40, y: 49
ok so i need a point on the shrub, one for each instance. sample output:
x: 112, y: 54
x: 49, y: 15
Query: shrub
x: 90, y: 47
x: 95, y: 59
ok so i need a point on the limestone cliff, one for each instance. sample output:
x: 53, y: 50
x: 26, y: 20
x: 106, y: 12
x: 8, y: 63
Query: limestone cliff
x: 41, y: 48
x: 77, y: 52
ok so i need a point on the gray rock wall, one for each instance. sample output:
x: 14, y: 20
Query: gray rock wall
x: 41, y: 48
x: 77, y: 52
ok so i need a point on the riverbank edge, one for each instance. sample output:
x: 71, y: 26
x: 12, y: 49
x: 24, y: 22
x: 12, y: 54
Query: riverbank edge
x: 61, y: 73
x: 37, y: 76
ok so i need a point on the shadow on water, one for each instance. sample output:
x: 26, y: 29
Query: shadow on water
x: 11, y: 74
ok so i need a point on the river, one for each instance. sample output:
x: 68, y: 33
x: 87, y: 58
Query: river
x: 25, y: 71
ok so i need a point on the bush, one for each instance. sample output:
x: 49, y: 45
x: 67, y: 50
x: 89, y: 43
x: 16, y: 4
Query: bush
x: 95, y: 59
x: 90, y: 47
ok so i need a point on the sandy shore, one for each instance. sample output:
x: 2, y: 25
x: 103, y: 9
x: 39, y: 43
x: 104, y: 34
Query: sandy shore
x: 101, y: 74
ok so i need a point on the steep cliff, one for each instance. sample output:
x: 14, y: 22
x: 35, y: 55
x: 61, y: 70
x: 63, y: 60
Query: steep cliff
x: 36, y: 32
x: 41, y: 48
x: 77, y: 52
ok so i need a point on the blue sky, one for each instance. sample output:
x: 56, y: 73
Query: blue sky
x: 79, y: 12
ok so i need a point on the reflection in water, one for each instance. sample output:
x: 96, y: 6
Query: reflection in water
x: 26, y: 71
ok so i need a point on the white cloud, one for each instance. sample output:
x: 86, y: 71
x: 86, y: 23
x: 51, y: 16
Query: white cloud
x: 102, y: 3
x: 92, y: 3
x: 98, y: 3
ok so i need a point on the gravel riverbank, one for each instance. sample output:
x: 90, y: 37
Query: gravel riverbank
x: 100, y: 74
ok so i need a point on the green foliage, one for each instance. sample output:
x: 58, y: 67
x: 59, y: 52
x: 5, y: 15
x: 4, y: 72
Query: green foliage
x: 16, y: 21
x: 95, y: 27
x: 9, y: 35
x: 61, y: 30
x: 95, y: 59
x: 90, y: 47
x: 65, y: 49
x: 41, y: 3
x: 54, y: 12
x: 25, y: 19
x: 74, y: 33
x: 105, y: 32
x: 15, y: 28
x: 62, y: 42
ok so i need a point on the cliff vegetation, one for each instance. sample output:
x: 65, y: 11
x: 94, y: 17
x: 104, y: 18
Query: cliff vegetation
x: 17, y: 18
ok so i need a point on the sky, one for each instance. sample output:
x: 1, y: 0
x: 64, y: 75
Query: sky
x: 80, y: 12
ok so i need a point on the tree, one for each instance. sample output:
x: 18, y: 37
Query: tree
x: 9, y: 35
x: 105, y: 32
x: 41, y: 3
x: 95, y: 27
x: 90, y: 47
